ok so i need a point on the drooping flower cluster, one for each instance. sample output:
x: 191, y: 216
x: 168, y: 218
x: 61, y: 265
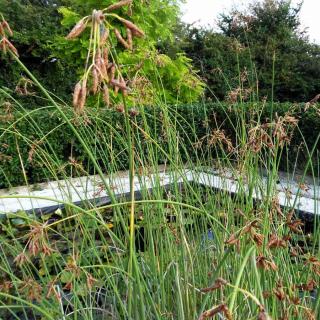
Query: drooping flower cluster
x: 101, y: 74
x: 5, y: 32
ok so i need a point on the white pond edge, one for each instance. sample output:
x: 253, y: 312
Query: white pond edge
x: 91, y: 188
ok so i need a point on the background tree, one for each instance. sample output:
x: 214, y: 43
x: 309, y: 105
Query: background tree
x: 215, y: 56
x: 250, y: 42
x: 271, y: 30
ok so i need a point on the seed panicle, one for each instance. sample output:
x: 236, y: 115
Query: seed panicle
x: 6, y: 45
x: 106, y: 95
x: 104, y: 37
x: 95, y: 80
x: 222, y: 308
x: 76, y: 94
x: 118, y: 5
x: 77, y: 29
x: 120, y: 39
x: 5, y: 25
x: 83, y: 95
x: 129, y: 38
x: 101, y: 70
x: 135, y: 30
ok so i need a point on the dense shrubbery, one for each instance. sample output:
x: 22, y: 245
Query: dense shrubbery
x: 39, y: 137
x: 35, y: 24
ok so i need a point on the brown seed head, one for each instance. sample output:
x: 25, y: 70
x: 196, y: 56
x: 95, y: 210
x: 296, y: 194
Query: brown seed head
x: 76, y: 94
x: 119, y: 84
x: 95, y: 80
x: 295, y: 226
x: 21, y: 259
x: 105, y: 56
x: 315, y: 265
x: 34, y: 247
x: 233, y: 240
x: 264, y: 263
x: 5, y: 286
x: 6, y: 26
x: 106, y: 95
x: 77, y: 29
x: 83, y: 97
x: 2, y: 32
x: 275, y: 242
x: 118, y: 5
x: 133, y: 112
x: 309, y: 286
x: 68, y: 286
x: 134, y: 29
x: 101, y: 64
x: 32, y: 152
x: 120, y: 108
x: 98, y: 16
x: 47, y: 250
x: 257, y: 238
x: 112, y: 72
x: 6, y: 45
x: 222, y: 308
x: 90, y: 281
x: 129, y: 38
x: 263, y: 315
x: 104, y: 37
x: 219, y: 283
x: 120, y: 39
x: 266, y: 294
x: 279, y: 292
x: 32, y: 290
x: 251, y: 226
x: 72, y: 265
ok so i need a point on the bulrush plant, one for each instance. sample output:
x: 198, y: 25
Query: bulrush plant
x: 5, y: 33
x: 102, y: 73
x: 188, y: 252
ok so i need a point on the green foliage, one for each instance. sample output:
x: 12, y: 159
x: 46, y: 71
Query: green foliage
x: 36, y: 139
x: 216, y: 57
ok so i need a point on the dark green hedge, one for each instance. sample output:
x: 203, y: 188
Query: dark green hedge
x: 30, y: 140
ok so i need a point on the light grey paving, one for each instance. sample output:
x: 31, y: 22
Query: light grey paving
x: 74, y: 190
